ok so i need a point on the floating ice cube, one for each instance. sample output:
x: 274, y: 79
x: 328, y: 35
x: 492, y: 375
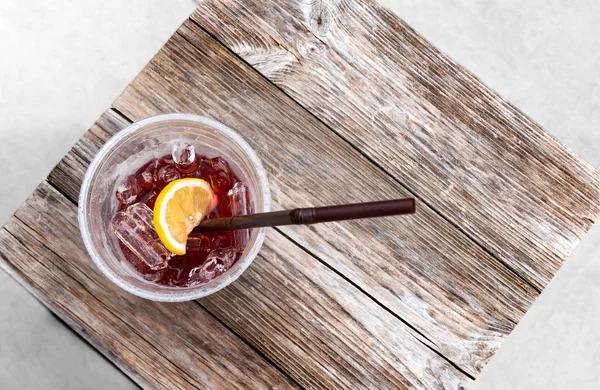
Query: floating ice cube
x: 184, y: 156
x: 220, y: 241
x: 197, y: 243
x: 216, y: 171
x: 204, y: 168
x: 168, y: 173
x: 238, y: 199
x: 218, y: 262
x: 149, y: 197
x: 219, y: 164
x: 135, y: 228
x: 183, y: 153
x: 196, y: 276
x: 238, y: 202
x: 220, y: 181
x: 175, y: 277
x: 148, y: 174
x: 155, y: 276
x: 188, y: 170
x: 128, y: 190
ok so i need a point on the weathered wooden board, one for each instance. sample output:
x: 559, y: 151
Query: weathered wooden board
x: 416, y: 302
x: 159, y: 345
x: 420, y: 267
x: 438, y: 130
x: 315, y: 325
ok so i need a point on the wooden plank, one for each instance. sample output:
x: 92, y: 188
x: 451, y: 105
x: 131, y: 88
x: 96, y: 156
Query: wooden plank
x: 420, y: 267
x: 315, y: 325
x: 158, y: 345
x: 326, y: 332
x: 453, y: 142
x: 270, y: 311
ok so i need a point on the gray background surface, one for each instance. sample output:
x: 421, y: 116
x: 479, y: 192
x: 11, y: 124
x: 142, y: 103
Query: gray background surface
x: 64, y: 61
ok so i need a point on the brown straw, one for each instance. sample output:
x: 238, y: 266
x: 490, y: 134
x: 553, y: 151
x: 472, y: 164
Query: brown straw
x: 310, y: 215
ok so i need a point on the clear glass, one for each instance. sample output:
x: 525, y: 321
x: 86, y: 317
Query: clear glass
x: 130, y: 149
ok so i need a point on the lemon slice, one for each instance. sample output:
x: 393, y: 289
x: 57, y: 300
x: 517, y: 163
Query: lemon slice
x: 179, y: 208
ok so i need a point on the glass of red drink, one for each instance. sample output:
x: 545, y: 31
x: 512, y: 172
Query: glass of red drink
x: 121, y: 185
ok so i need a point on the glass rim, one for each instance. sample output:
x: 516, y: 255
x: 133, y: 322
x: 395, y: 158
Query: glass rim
x: 173, y: 296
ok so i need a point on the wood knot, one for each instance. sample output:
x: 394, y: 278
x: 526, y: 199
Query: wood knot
x: 320, y: 18
x: 306, y: 48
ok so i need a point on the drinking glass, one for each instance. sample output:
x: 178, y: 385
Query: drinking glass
x: 127, y: 151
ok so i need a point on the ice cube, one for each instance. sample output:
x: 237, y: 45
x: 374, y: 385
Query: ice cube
x: 197, y: 243
x: 168, y: 173
x: 183, y: 153
x: 196, y: 276
x: 220, y: 241
x: 217, y: 263
x: 135, y: 228
x: 188, y: 170
x: 204, y: 168
x: 220, y: 181
x: 238, y: 199
x: 175, y: 276
x: 148, y: 174
x: 155, y: 276
x: 149, y: 197
x: 219, y: 164
x: 238, y: 203
x: 128, y: 190
x: 184, y: 156
x: 216, y: 171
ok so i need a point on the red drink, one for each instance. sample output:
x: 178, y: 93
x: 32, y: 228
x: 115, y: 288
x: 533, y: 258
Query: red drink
x: 207, y: 256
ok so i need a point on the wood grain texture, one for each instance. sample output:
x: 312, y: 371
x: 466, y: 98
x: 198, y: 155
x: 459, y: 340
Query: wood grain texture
x: 438, y: 130
x: 324, y: 331
x: 420, y: 267
x: 159, y: 345
x: 312, y: 323
x: 412, y: 302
